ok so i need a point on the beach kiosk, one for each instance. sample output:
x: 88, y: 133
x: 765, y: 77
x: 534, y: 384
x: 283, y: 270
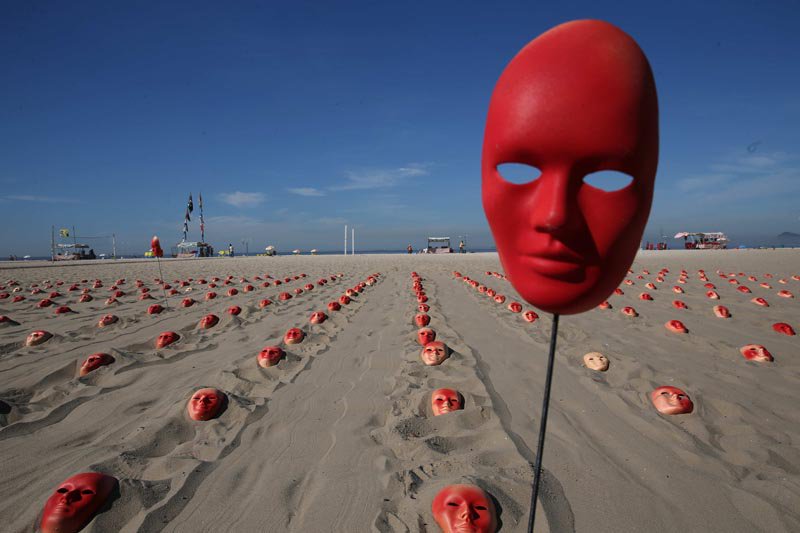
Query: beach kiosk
x: 713, y: 240
x: 186, y: 249
x: 432, y: 247
x: 73, y: 252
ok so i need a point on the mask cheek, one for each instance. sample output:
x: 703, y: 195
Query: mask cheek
x: 607, y: 215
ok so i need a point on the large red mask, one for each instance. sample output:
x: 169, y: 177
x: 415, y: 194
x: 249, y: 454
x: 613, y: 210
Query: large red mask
x: 577, y: 100
x: 464, y: 508
x: 75, y: 502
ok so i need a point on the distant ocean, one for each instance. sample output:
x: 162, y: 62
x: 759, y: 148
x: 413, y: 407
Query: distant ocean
x: 358, y: 252
x: 305, y: 253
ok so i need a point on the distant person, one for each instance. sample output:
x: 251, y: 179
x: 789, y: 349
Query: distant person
x: 410, y: 249
x: 461, y: 247
x: 230, y: 249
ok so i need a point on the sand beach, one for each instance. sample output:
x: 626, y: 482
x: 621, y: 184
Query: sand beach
x: 339, y: 435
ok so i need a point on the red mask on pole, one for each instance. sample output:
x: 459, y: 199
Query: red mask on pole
x: 577, y: 100
x: 155, y: 247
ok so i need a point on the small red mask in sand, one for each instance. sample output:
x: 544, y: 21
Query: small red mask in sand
x: 530, y: 316
x: 166, y: 338
x: 85, y: 298
x: 676, y: 326
x: 209, y: 321
x: 760, y: 301
x: 721, y: 311
x: 618, y: 291
x: 187, y: 302
x: 596, y: 361
x: 154, y: 309
x: 646, y: 296
x: 677, y: 304
x: 515, y: 307
x: 712, y: 295
x: 270, y: 356
x: 783, y: 327
x: 76, y: 500
x: 499, y: 299
x: 422, y: 320
x: 45, y: 302
x: 756, y: 352
x: 234, y: 310
x: 677, y: 290
x: 629, y: 311
x: 464, y: 508
x: 38, y: 337
x: 318, y: 317
x: 671, y: 401
x: 344, y: 299
x: 434, y: 353
x: 604, y: 305
x: 334, y: 306
x: 95, y: 361
x: 107, y: 320
x: 264, y: 303
x: 785, y: 294
x: 210, y: 295
x: 650, y: 286
x: 444, y: 401
x: 294, y: 336
x: 423, y: 308
x: 425, y: 336
x: 62, y: 310
x: 205, y: 404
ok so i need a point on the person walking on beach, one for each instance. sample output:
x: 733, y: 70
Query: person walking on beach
x: 230, y: 249
x: 409, y: 249
x: 461, y: 247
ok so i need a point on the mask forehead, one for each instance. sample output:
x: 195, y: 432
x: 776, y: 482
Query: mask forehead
x: 580, y: 92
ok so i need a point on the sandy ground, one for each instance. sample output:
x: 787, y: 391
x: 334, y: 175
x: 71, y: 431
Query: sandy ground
x: 339, y: 435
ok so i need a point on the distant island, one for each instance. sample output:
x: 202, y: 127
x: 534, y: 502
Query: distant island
x: 787, y: 237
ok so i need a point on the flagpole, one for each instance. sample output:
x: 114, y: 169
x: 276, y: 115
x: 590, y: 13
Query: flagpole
x: 202, y: 222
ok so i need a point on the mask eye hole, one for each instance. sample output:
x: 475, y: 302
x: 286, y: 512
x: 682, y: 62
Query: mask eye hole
x: 518, y: 173
x: 608, y: 180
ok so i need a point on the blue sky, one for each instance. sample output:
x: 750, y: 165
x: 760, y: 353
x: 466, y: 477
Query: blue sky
x: 295, y: 118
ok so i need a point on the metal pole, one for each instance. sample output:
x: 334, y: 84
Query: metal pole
x: 345, y: 239
x: 353, y: 242
x: 537, y: 468
x: 74, y: 237
x: 113, y: 245
x: 52, y: 243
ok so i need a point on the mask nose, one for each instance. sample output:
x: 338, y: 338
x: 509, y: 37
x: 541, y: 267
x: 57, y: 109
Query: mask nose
x: 468, y: 514
x: 552, y: 201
